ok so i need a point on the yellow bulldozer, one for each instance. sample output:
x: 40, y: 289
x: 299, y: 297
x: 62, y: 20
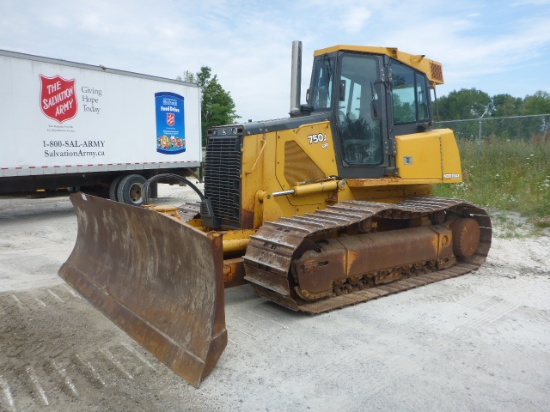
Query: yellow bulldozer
x: 327, y: 208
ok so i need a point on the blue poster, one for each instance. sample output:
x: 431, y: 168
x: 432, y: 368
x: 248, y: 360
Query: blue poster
x: 170, y: 123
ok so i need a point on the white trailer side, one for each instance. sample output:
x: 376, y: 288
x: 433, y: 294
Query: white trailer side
x: 66, y: 124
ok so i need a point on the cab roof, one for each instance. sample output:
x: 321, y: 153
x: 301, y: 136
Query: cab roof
x: 432, y: 69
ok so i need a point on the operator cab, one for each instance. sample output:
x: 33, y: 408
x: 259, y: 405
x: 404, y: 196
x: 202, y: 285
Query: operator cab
x: 372, y: 98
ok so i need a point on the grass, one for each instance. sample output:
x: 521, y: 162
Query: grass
x: 508, y: 176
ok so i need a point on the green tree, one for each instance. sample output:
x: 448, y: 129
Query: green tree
x: 464, y: 104
x: 506, y: 105
x: 217, y: 107
x: 539, y: 103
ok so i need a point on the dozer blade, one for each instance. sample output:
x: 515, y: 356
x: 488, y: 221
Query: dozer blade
x: 157, y: 278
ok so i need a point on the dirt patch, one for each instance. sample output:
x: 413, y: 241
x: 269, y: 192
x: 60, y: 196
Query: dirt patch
x: 480, y: 341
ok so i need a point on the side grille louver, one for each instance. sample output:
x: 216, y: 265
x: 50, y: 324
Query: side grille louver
x: 222, y: 182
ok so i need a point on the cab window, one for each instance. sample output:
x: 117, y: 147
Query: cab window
x: 323, y: 76
x: 410, y: 95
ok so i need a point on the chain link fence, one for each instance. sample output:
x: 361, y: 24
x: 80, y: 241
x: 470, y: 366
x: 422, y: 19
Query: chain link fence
x: 535, y: 128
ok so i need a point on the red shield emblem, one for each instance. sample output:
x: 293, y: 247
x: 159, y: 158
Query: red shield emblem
x: 58, y: 98
x: 170, y: 119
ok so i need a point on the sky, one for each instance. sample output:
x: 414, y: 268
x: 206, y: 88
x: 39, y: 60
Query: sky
x: 495, y: 46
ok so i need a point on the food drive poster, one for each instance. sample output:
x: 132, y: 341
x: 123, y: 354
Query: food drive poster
x: 170, y: 123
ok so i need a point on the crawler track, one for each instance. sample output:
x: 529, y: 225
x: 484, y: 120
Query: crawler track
x: 278, y: 244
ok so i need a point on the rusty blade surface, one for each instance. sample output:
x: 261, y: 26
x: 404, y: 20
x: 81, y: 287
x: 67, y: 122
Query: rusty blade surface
x: 157, y: 278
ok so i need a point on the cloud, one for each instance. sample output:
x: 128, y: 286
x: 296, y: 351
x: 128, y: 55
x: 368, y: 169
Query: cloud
x: 531, y: 2
x: 247, y: 42
x: 356, y: 18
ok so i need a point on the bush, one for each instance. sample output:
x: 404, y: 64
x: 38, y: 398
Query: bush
x: 508, y: 175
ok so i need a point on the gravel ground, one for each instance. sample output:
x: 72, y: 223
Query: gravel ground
x: 477, y: 342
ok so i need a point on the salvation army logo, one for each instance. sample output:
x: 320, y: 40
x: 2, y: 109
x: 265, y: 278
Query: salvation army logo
x: 170, y: 119
x: 58, y: 98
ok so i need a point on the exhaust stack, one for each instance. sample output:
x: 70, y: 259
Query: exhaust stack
x: 296, y: 78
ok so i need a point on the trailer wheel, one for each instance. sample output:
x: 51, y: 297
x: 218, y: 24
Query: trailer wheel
x: 113, y: 189
x: 130, y: 190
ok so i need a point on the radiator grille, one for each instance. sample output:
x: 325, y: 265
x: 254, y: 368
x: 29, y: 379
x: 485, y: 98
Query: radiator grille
x: 222, y: 182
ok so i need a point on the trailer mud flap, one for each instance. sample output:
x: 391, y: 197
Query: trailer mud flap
x: 157, y: 278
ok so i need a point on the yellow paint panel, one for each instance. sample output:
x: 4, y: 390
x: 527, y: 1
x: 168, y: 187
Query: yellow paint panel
x: 270, y: 160
x: 452, y: 166
x: 429, y: 155
x: 419, y: 156
x: 316, y: 143
x: 317, y: 160
x: 389, y: 181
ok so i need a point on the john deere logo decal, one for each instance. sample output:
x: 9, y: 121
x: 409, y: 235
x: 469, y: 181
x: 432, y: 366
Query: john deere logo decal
x: 58, y: 98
